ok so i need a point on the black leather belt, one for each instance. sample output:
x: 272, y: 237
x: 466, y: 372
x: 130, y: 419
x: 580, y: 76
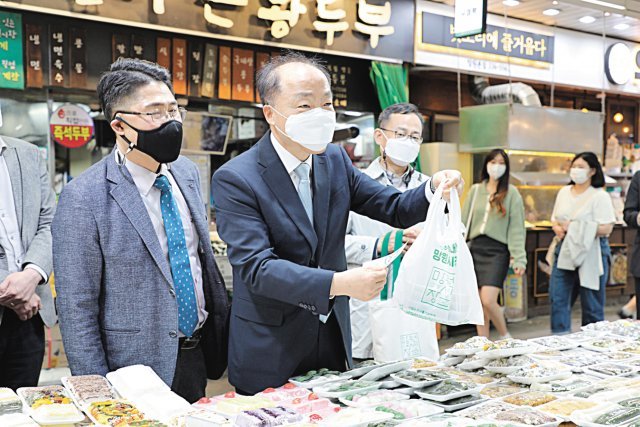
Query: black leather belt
x: 189, y: 343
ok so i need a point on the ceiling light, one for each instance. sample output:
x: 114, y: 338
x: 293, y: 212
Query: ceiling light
x: 587, y: 19
x: 618, y: 117
x: 625, y: 129
x: 621, y: 27
x: 511, y: 3
x: 555, y: 2
x: 551, y: 12
x: 605, y: 4
x: 607, y: 14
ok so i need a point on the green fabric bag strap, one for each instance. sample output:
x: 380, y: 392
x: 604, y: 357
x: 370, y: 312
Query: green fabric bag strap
x: 384, y: 295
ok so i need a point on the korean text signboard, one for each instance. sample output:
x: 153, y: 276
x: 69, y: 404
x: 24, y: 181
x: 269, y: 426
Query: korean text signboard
x: 71, y: 126
x: 11, y: 63
x: 372, y: 28
x: 523, y: 47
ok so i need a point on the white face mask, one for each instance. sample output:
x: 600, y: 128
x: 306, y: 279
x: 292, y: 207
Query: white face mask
x: 402, y: 152
x: 496, y: 170
x: 579, y: 175
x: 312, y: 129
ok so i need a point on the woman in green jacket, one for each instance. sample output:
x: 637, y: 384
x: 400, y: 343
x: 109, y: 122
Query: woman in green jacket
x: 494, y: 215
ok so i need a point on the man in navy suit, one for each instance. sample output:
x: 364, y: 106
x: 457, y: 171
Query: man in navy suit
x: 282, y: 208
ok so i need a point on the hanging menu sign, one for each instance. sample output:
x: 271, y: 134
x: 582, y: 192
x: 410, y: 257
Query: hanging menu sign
x: 163, y: 52
x: 209, y: 70
x: 243, y: 75
x: 78, y: 55
x: 120, y: 45
x: 224, y: 69
x: 59, y: 68
x: 34, y: 40
x: 179, y: 69
x: 195, y: 68
x: 11, y: 65
x: 339, y: 83
x: 138, y: 47
x: 261, y: 59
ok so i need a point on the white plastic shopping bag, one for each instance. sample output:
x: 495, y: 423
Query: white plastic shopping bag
x: 436, y: 280
x: 395, y: 334
x: 400, y: 336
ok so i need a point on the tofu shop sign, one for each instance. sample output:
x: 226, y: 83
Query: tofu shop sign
x: 371, y: 29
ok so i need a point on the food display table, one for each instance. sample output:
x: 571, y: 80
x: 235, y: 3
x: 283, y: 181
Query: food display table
x: 590, y: 378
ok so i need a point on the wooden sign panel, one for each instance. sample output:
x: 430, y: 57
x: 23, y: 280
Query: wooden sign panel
x: 34, y: 39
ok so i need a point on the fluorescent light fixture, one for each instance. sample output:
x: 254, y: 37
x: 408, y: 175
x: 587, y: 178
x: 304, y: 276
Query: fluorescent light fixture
x: 511, y: 3
x: 606, y: 4
x: 621, y: 27
x: 551, y: 12
x: 587, y: 19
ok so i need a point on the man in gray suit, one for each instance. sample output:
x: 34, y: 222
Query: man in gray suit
x: 27, y: 203
x: 136, y: 277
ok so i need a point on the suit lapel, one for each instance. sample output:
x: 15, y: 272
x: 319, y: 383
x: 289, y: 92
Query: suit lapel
x: 11, y: 159
x: 128, y: 198
x: 279, y: 181
x: 321, y: 190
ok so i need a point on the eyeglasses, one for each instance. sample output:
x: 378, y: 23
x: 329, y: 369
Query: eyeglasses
x: 159, y: 116
x: 400, y: 134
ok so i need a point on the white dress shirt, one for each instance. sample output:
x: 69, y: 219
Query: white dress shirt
x: 291, y: 162
x: 144, y: 180
x: 10, y: 238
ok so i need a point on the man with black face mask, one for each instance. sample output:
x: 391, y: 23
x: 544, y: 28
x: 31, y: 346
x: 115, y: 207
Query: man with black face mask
x: 136, y: 278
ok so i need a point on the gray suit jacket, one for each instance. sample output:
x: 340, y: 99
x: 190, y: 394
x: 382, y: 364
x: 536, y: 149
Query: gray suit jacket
x: 35, y: 205
x: 115, y: 294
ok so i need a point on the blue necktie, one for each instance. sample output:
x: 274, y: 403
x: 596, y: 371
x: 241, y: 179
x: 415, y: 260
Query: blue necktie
x: 178, y: 258
x: 304, y: 191
x: 304, y: 188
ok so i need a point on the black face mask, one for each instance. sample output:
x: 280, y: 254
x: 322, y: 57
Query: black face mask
x: 162, y: 144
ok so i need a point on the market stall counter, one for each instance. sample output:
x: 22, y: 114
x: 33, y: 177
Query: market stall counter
x: 589, y: 378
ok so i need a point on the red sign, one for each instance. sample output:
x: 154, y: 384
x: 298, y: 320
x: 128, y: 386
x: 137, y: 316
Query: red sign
x: 71, y: 126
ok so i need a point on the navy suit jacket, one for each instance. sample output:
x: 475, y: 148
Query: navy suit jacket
x: 282, y: 266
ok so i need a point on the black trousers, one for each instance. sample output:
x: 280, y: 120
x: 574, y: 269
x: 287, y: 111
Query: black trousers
x: 190, y: 379
x: 637, y: 297
x: 328, y: 351
x: 21, y: 350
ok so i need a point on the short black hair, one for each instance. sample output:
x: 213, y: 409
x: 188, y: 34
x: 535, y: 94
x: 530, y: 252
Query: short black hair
x: 400, y: 108
x: 267, y: 80
x: 597, y: 180
x: 124, y: 77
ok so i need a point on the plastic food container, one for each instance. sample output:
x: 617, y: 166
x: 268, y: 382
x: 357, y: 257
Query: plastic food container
x: 418, y: 379
x: 86, y: 389
x: 461, y: 403
x: 345, y: 388
x: 448, y: 390
x: 50, y: 405
x: 373, y: 398
x: 605, y: 415
x: 387, y: 369
x: 409, y: 409
x: 10, y: 403
x: 564, y: 408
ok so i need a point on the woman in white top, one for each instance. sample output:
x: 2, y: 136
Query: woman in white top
x: 583, y: 219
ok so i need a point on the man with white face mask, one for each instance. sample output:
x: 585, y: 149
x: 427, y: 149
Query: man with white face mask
x: 282, y: 208
x: 399, y: 136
